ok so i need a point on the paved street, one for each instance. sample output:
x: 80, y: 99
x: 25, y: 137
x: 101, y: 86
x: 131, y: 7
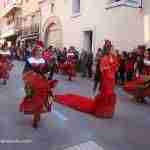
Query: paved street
x: 65, y: 128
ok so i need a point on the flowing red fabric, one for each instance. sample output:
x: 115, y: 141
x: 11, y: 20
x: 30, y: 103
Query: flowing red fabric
x: 103, y: 105
x: 77, y: 102
x: 131, y: 86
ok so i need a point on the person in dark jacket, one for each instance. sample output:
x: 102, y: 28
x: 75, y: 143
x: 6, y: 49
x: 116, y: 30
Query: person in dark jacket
x: 97, y: 71
x: 83, y: 62
x: 90, y: 64
x: 121, y: 69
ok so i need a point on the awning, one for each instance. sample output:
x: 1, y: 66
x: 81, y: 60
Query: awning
x: 8, y: 34
x: 9, y: 10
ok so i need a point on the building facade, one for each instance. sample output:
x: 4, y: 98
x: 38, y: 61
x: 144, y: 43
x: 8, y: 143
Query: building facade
x: 10, y: 20
x: 20, y: 21
x: 86, y: 23
x: 30, y: 22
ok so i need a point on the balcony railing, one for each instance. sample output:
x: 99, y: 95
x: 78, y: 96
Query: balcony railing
x: 13, y: 28
x: 33, y: 29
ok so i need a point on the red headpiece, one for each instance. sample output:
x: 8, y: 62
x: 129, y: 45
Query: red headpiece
x: 40, y: 44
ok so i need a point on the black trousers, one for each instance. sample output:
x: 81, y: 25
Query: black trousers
x: 121, y: 77
x: 129, y: 75
x: 90, y: 71
x: 52, y: 71
x: 96, y: 83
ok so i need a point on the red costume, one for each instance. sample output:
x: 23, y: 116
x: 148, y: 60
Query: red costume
x: 146, y: 69
x: 104, y: 103
x: 37, y: 102
x: 5, y: 65
x: 70, y: 65
x: 139, y: 88
x: 130, y: 66
x: 48, y: 55
x: 106, y: 99
x: 39, y: 96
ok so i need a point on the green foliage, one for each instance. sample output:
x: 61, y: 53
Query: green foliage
x: 29, y: 92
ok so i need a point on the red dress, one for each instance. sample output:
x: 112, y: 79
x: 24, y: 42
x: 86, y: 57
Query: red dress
x: 106, y: 99
x: 103, y: 105
x: 5, y: 66
x: 132, y: 86
x: 36, y: 103
x: 70, y: 65
x: 40, y: 98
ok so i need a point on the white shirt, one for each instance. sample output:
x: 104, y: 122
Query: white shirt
x: 146, y: 62
x: 5, y: 52
x: 33, y: 60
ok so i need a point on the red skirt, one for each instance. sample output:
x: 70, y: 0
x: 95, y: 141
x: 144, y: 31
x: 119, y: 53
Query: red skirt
x: 137, y: 88
x: 28, y: 106
x: 61, y: 67
x: 105, y: 105
x: 70, y: 69
x: 131, y: 86
x: 39, y: 99
x: 146, y: 70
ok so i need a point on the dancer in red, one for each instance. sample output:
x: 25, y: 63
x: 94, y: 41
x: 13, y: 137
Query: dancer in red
x: 5, y: 65
x: 50, y: 60
x: 38, y: 97
x: 140, y: 86
x: 103, y: 105
x: 106, y: 99
x: 146, y: 63
x: 70, y: 65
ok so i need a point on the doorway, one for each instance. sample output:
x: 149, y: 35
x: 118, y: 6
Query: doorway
x: 53, y: 36
x: 88, y: 40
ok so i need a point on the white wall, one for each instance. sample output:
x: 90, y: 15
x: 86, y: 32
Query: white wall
x: 123, y: 25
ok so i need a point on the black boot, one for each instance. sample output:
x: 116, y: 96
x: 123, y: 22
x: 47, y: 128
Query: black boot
x: 4, y: 82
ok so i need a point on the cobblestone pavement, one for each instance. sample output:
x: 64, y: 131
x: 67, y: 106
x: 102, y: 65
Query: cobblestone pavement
x: 66, y: 129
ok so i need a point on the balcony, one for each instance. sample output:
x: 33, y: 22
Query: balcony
x: 10, y: 30
x: 126, y: 3
x: 30, y: 31
x: 11, y: 8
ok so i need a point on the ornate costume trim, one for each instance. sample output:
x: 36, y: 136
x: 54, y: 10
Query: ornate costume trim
x: 33, y: 60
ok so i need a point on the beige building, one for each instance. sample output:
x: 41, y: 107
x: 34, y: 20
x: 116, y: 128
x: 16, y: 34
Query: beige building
x: 81, y: 23
x: 30, y: 21
x: 20, y: 20
x: 10, y: 17
x: 86, y: 23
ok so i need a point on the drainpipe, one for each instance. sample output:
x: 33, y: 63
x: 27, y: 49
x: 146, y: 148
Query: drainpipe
x: 40, y: 25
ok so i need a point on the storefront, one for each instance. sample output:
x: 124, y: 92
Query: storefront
x: 29, y: 40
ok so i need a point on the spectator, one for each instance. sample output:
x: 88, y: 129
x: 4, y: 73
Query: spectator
x: 90, y: 63
x: 83, y: 62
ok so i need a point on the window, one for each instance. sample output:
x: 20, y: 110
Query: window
x: 52, y: 7
x: 146, y: 28
x: 75, y: 7
x: 127, y: 3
